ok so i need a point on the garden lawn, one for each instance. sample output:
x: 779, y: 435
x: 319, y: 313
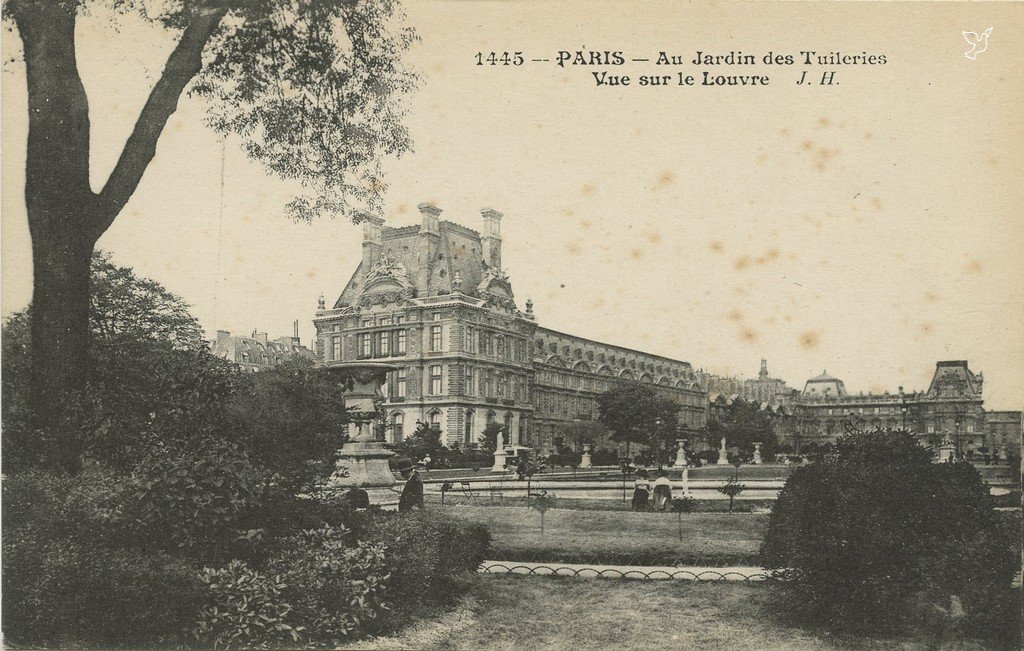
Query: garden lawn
x: 621, y: 537
x: 531, y: 612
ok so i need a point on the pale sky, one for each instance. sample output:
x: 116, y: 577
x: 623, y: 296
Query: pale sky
x: 869, y: 228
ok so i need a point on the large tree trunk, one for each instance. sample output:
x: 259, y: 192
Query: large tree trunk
x: 60, y: 342
x: 65, y: 216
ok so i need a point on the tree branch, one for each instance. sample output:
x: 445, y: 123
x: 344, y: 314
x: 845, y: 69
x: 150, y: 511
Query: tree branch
x: 183, y: 64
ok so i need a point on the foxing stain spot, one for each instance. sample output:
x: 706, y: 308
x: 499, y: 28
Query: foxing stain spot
x: 573, y: 248
x: 735, y: 315
x: 809, y: 339
x: 807, y: 145
x: 973, y: 267
x: 878, y: 389
x: 784, y: 132
x: 665, y: 179
x: 654, y: 238
x: 402, y: 208
x: 772, y: 254
x: 927, y: 328
x: 636, y: 254
x: 741, y: 262
x: 716, y: 246
x: 762, y: 158
x: 931, y: 296
x: 748, y: 334
x: 876, y: 203
x: 585, y: 223
x: 823, y: 122
x: 568, y: 212
x: 868, y: 135
x: 588, y: 189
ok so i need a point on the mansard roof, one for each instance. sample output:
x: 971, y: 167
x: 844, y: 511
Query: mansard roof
x: 410, y: 267
x: 954, y: 379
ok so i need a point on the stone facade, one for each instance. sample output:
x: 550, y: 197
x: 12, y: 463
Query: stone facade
x: 434, y: 299
x: 951, y: 409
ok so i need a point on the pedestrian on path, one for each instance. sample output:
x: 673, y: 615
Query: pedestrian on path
x: 641, y: 491
x: 662, y: 491
x: 412, y: 493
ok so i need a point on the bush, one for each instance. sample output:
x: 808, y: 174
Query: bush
x: 876, y: 537
x: 316, y: 591
x: 193, y: 497
x: 430, y: 557
x: 65, y: 580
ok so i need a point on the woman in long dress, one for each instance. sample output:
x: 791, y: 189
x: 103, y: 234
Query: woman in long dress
x: 662, y: 491
x: 641, y: 491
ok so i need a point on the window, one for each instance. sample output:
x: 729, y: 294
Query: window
x: 399, y: 319
x: 501, y: 346
x: 435, y: 380
x: 367, y: 323
x: 400, y: 383
x: 467, y: 437
x: 470, y: 381
x: 435, y: 421
x: 398, y: 428
x: 435, y: 337
x: 488, y: 383
x: 385, y: 320
x: 436, y: 316
x: 365, y: 349
x: 383, y: 344
x: 335, y: 347
x: 400, y: 342
x: 470, y: 339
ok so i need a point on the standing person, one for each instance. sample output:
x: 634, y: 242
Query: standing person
x: 412, y: 494
x: 641, y: 491
x: 662, y: 491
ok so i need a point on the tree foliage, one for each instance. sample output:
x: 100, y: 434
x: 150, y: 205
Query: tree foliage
x: 311, y: 87
x: 424, y: 442
x: 491, y: 436
x: 637, y: 413
x: 742, y: 424
x: 878, y: 536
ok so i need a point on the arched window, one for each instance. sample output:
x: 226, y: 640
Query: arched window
x: 435, y: 420
x: 468, y: 436
x: 398, y: 427
x: 508, y: 425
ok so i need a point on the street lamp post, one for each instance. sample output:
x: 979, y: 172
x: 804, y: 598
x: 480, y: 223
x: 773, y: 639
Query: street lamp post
x: 903, y: 408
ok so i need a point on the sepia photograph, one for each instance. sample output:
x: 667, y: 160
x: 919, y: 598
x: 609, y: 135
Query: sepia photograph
x: 502, y: 324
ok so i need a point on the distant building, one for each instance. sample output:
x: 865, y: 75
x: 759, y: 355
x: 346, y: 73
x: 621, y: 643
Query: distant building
x: 951, y: 409
x: 256, y: 352
x: 434, y: 300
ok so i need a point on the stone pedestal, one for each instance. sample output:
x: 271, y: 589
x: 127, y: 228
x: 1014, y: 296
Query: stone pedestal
x: 499, y: 460
x: 757, y: 453
x: 723, y: 456
x: 362, y: 462
x: 947, y: 453
x: 680, y: 454
x: 585, y: 459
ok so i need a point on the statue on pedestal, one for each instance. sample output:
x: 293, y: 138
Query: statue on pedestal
x: 723, y: 456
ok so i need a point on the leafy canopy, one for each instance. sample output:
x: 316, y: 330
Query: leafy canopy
x: 636, y: 413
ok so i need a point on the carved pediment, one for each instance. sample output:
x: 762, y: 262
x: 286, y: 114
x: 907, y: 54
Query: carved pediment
x: 386, y: 274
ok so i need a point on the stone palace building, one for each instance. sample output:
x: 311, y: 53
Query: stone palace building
x: 434, y: 299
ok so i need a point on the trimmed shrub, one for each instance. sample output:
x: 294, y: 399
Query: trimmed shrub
x: 876, y: 537
x: 65, y: 582
x: 317, y: 591
x: 431, y: 558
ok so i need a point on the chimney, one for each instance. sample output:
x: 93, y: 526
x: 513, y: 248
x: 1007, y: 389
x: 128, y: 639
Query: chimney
x: 373, y: 238
x: 491, y: 237
x: 295, y: 333
x: 223, y: 334
x: 260, y: 337
x: 430, y: 224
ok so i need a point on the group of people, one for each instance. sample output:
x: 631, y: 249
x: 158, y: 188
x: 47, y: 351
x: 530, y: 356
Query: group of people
x: 643, y: 488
